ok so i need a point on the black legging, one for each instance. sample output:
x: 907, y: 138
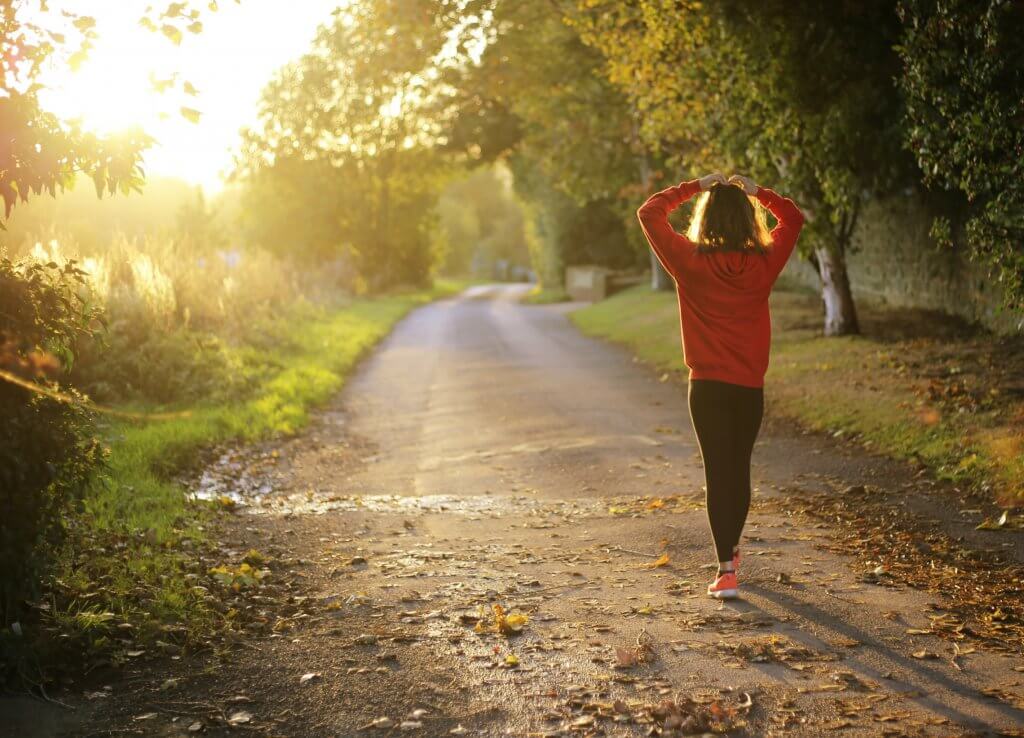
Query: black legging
x: 726, y: 418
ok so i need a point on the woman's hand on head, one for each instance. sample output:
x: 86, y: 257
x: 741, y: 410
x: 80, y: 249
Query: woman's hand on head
x: 709, y: 180
x: 744, y: 183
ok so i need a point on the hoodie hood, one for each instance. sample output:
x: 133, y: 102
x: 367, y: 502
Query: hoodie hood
x: 738, y: 269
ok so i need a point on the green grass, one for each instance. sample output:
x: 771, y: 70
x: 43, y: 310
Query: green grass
x: 857, y: 385
x: 305, y: 369
x: 133, y: 554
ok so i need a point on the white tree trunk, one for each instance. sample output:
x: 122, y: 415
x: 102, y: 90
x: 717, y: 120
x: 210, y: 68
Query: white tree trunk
x: 660, y: 279
x: 840, y: 311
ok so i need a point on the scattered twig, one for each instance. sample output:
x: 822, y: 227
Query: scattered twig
x: 629, y: 550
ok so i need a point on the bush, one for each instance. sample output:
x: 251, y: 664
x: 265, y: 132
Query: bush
x: 176, y: 314
x: 47, y: 449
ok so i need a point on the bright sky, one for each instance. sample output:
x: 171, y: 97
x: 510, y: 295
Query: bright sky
x: 238, y: 50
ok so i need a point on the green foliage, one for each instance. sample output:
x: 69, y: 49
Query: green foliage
x: 353, y: 119
x: 483, y: 223
x: 142, y: 364
x: 538, y: 96
x: 47, y: 450
x: 964, y: 85
x: 800, y: 99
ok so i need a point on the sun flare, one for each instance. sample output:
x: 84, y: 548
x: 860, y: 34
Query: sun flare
x: 218, y: 73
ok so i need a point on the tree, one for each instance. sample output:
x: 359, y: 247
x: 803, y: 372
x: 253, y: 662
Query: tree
x: 482, y: 221
x: 41, y: 153
x: 963, y: 79
x: 799, y: 98
x: 356, y: 112
x: 48, y: 452
x: 538, y: 98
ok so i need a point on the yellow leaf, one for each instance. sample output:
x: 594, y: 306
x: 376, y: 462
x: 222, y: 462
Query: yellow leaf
x: 661, y: 561
x: 512, y: 660
x: 516, y: 621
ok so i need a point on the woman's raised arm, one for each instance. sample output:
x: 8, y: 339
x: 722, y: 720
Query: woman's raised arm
x: 786, y: 232
x: 668, y: 245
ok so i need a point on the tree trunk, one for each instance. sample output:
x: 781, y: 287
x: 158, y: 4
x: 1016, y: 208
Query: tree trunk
x: 840, y: 311
x: 660, y: 279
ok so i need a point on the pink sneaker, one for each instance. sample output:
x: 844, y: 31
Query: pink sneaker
x: 725, y: 586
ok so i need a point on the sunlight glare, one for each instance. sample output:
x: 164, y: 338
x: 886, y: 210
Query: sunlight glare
x: 229, y: 63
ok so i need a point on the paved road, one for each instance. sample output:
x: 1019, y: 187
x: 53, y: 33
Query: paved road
x: 487, y: 453
x: 518, y: 436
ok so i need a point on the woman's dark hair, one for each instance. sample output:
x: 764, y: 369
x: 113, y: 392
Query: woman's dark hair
x: 726, y: 219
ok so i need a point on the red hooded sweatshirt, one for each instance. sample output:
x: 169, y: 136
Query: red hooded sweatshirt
x: 723, y: 296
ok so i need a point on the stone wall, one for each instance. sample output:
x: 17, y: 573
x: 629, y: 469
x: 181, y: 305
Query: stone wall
x: 895, y: 262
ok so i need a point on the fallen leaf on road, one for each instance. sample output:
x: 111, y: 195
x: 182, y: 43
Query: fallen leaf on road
x: 309, y: 677
x: 625, y: 658
x: 506, y: 624
x: 458, y: 730
x: 662, y: 560
x: 239, y: 718
x: 410, y: 725
x: 989, y: 524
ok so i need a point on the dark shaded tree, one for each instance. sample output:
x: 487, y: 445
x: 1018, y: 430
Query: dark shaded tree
x: 963, y: 78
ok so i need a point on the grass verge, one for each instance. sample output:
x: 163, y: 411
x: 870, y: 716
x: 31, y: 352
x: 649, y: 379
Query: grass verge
x: 915, y: 384
x: 136, y: 571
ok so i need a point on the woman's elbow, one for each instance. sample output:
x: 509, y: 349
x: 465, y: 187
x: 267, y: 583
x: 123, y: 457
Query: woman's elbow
x: 646, y: 212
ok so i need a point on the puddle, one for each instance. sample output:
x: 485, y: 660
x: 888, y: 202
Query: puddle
x: 257, y: 480
x: 474, y: 506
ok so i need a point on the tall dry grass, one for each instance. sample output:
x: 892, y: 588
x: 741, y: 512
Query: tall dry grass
x: 182, y: 318
x: 175, y: 283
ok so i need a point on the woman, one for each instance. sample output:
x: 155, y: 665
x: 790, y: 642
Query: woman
x: 724, y: 270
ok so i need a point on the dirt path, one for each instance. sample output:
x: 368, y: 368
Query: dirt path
x: 489, y: 454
